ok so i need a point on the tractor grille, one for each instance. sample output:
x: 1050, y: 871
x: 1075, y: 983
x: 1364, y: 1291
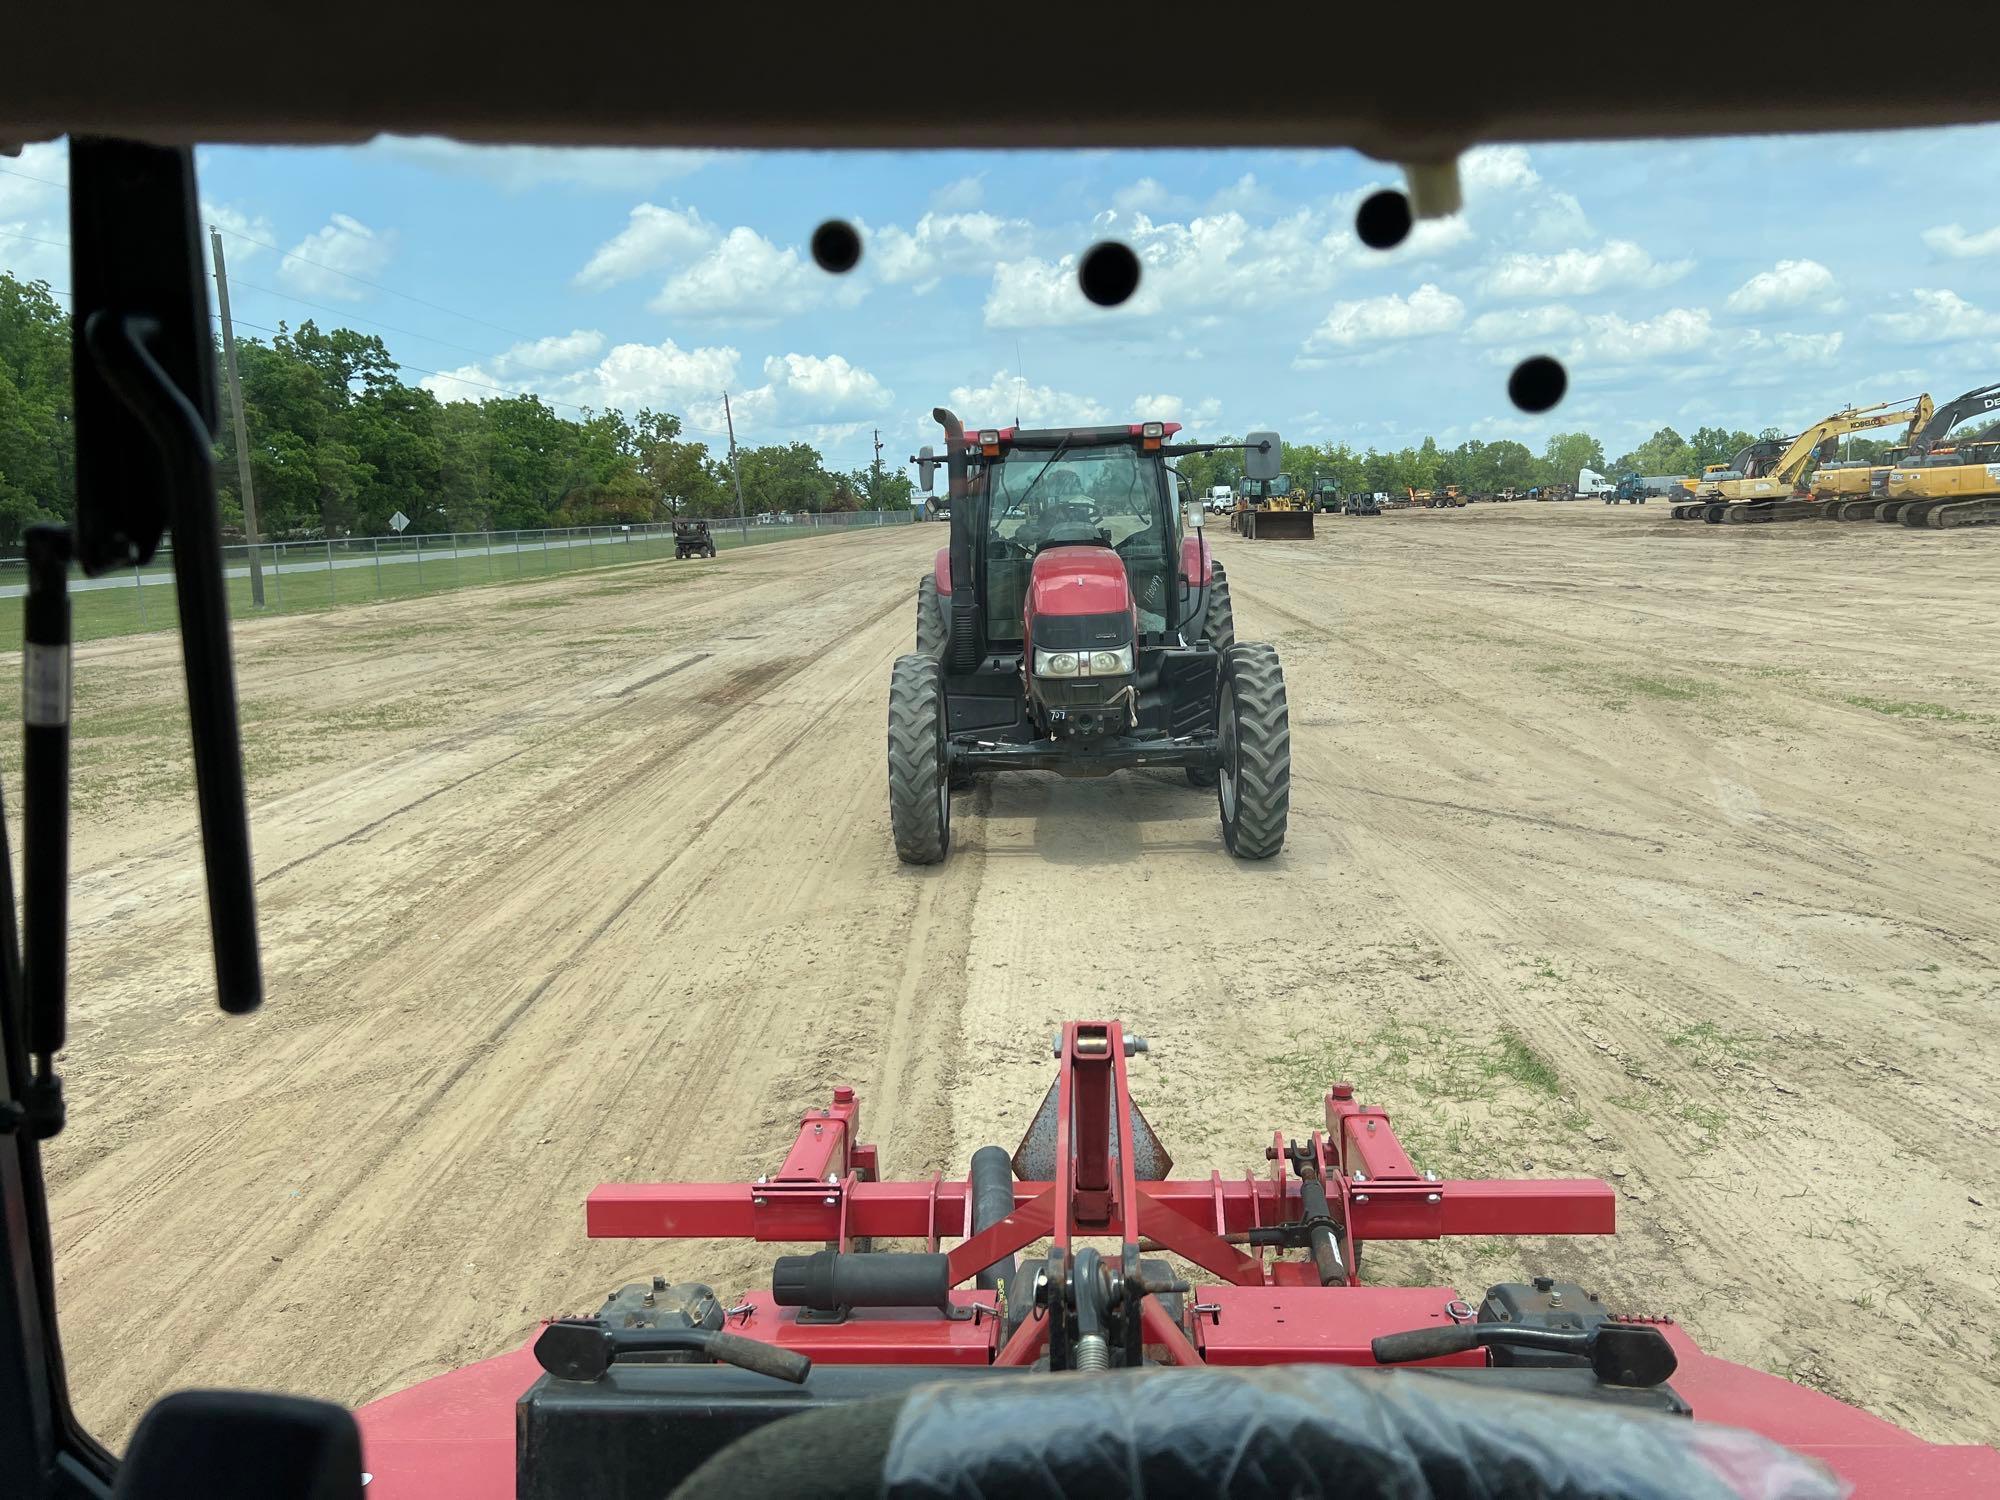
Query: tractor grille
x: 1080, y: 692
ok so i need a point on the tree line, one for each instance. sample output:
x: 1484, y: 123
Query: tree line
x: 339, y: 444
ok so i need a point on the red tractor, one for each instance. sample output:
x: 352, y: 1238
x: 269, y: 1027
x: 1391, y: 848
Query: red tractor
x: 1077, y: 623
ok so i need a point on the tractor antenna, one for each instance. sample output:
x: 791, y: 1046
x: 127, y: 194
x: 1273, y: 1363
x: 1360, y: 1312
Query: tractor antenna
x: 1023, y: 374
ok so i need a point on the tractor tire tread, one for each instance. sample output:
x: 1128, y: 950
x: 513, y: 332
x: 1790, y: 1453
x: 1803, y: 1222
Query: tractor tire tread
x: 930, y: 618
x: 1218, y: 625
x: 919, y: 818
x: 1264, y: 752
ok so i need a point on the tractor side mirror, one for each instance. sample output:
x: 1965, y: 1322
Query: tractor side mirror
x: 926, y: 467
x: 1263, y: 456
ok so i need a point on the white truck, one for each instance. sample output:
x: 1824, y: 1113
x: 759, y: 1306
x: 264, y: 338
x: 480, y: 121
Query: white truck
x: 1590, y: 482
x: 1221, y: 500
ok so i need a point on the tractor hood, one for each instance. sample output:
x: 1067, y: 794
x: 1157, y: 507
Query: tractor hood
x: 1079, y: 598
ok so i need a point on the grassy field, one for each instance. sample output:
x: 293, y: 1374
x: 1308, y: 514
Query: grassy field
x: 102, y: 612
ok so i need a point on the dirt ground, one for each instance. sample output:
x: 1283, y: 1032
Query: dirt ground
x: 1658, y: 852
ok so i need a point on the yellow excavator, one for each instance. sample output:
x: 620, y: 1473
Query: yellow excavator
x: 1773, y: 494
x: 1937, y: 486
x: 1858, y: 489
x: 1754, y: 459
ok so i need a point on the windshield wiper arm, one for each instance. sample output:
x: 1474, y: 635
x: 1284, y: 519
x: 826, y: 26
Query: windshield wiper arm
x: 1060, y: 449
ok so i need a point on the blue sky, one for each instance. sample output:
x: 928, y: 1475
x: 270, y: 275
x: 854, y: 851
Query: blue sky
x: 1747, y: 283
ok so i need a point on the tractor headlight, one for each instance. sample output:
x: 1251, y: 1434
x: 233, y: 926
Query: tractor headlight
x: 1056, y: 664
x: 1083, y: 663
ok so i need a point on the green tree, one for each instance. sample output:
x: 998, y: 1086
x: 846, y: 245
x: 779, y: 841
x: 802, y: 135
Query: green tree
x: 1569, y: 452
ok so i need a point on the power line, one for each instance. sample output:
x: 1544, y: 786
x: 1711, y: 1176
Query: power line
x: 31, y: 177
x: 269, y: 291
x: 379, y: 286
x: 33, y: 239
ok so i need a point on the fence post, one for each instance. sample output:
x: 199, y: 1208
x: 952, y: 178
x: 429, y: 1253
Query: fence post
x: 375, y: 546
x: 277, y: 570
x: 140, y: 584
x: 420, y: 563
x: 589, y: 546
x: 489, y: 556
x: 545, y: 549
x: 331, y: 598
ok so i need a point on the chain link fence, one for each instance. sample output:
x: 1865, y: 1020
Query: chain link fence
x: 296, y: 576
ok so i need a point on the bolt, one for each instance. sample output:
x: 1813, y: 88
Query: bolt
x: 1555, y: 1299
x: 1371, y: 1127
x: 843, y: 1095
x: 647, y: 1299
x: 832, y: 1200
x: 1430, y: 1177
x: 757, y: 1201
x: 1360, y: 1176
x: 1432, y: 1197
x: 833, y: 1177
x: 819, y: 1130
x: 659, y: 1283
x: 1342, y: 1091
x: 1360, y: 1197
x: 762, y: 1178
x: 1270, y: 1153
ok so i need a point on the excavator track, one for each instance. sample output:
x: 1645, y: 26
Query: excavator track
x: 1984, y: 511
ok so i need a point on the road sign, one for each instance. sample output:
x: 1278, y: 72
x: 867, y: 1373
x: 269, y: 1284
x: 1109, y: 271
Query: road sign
x: 398, y: 521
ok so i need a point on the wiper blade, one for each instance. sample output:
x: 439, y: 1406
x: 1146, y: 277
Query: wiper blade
x: 1060, y: 449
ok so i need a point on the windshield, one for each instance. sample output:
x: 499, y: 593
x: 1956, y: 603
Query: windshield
x: 1036, y: 497
x: 577, y: 557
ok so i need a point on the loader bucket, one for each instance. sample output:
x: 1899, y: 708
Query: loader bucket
x: 1278, y: 525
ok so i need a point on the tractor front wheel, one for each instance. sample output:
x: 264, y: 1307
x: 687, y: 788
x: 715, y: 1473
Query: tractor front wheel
x: 1254, y: 782
x: 1218, y: 626
x: 930, y: 617
x: 919, y: 782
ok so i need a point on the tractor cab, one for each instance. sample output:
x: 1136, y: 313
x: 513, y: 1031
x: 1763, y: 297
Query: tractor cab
x: 1077, y: 623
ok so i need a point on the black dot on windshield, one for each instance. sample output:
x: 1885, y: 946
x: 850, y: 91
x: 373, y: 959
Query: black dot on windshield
x: 836, y: 246
x: 1383, y: 220
x: 1109, y: 273
x: 1537, y: 383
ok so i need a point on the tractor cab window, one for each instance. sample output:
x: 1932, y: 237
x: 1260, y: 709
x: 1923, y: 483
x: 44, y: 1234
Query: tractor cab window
x: 1111, y: 496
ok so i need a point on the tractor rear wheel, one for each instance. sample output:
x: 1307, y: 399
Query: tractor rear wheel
x: 919, y: 783
x: 930, y: 616
x: 1254, y: 784
x: 1218, y: 626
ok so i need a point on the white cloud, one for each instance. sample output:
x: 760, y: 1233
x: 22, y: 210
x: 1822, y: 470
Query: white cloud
x: 939, y: 244
x: 324, y: 261
x: 1203, y: 413
x: 1246, y: 195
x: 520, y: 167
x: 1937, y: 317
x: 1490, y: 169
x: 960, y: 196
x: 1518, y: 325
x: 653, y: 237
x: 1578, y: 273
x: 1035, y: 293
x: 1790, y: 283
x: 241, y: 230
x: 1811, y: 348
x: 1007, y: 397
x: 816, y: 388
x: 21, y: 194
x: 1144, y: 196
x: 1425, y: 311
x: 1612, y: 339
x: 746, y: 277
x: 557, y: 352
x: 1954, y: 241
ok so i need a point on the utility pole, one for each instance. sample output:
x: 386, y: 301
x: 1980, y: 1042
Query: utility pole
x: 242, y: 428
x: 875, y: 493
x: 735, y: 470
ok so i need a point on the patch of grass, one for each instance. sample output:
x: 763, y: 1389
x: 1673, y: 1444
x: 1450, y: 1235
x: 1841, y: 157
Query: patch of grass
x: 1708, y: 1040
x: 1666, y: 689
x: 1522, y: 1063
x: 1897, y: 709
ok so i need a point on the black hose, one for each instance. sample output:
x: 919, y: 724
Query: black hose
x: 992, y: 1200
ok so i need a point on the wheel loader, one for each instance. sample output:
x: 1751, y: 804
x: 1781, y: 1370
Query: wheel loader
x: 1078, y: 623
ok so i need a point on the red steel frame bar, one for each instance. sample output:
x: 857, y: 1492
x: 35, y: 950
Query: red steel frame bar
x: 825, y: 1190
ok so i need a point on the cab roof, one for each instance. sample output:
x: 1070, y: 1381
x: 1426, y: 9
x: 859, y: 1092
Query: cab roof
x: 1079, y: 437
